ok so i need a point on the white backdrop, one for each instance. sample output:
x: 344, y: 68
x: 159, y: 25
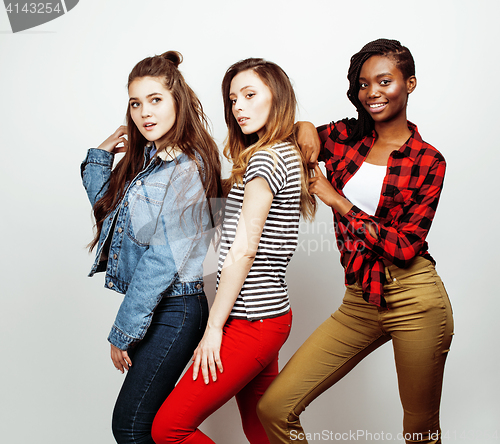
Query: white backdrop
x: 63, y: 91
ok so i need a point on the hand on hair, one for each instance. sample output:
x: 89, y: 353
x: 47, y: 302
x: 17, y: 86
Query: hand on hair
x: 321, y: 187
x: 308, y: 140
x: 111, y: 143
x: 120, y: 359
x: 207, y: 355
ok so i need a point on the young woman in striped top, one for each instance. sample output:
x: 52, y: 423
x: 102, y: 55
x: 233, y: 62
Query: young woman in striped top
x: 250, y: 318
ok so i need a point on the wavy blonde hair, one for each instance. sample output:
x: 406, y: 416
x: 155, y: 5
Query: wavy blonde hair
x: 240, y: 147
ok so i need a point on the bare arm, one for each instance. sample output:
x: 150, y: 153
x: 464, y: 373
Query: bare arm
x: 257, y: 201
x: 309, y: 142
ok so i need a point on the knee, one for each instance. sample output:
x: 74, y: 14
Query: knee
x: 268, y: 409
x: 118, y: 433
x: 164, y: 432
x: 159, y: 434
x: 122, y: 427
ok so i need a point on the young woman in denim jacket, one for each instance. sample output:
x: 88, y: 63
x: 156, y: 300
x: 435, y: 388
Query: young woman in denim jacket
x: 154, y: 218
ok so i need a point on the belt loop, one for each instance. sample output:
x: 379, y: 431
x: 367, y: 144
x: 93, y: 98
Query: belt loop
x: 388, y: 276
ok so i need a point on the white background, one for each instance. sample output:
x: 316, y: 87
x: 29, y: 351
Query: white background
x: 63, y: 91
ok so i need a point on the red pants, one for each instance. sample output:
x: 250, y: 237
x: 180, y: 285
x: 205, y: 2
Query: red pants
x: 249, y: 354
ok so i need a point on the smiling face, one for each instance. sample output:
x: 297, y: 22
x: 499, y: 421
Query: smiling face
x: 152, y: 108
x: 383, y: 91
x: 251, y: 102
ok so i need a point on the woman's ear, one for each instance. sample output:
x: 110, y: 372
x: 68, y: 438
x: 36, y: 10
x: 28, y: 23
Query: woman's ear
x: 411, y: 84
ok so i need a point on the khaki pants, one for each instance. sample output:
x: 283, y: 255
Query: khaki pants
x: 419, y: 322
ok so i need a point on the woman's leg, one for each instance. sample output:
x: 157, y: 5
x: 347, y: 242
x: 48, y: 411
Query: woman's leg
x: 421, y: 329
x: 333, y: 350
x: 157, y: 363
x: 247, y: 348
x: 248, y: 397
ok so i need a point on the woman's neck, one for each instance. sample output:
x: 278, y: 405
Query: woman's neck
x: 394, y: 132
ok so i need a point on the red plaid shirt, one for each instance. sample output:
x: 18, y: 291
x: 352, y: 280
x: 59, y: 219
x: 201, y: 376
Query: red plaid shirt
x: 408, y: 202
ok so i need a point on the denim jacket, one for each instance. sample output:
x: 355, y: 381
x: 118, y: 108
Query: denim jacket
x: 156, y: 245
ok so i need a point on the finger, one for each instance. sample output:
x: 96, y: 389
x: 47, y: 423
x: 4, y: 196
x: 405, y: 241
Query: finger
x: 196, y: 367
x: 311, y: 165
x: 126, y: 358
x: 318, y: 172
x: 218, y: 361
x: 121, y: 130
x: 204, y: 369
x: 313, y: 157
x: 117, y: 365
x: 122, y: 364
x: 213, y: 369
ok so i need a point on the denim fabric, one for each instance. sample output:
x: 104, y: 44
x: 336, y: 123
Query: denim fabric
x: 249, y: 354
x: 157, y: 363
x: 154, y: 236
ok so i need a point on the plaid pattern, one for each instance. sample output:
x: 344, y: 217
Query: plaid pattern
x: 408, y: 202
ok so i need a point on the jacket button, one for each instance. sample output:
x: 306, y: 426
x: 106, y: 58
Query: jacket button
x: 125, y: 204
x: 115, y: 256
x: 110, y: 284
x: 120, y: 230
x: 138, y: 183
x: 198, y: 286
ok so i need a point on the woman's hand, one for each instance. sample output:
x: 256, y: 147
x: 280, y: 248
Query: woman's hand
x: 120, y: 359
x: 321, y: 187
x: 207, y: 355
x: 111, y: 143
x: 308, y: 140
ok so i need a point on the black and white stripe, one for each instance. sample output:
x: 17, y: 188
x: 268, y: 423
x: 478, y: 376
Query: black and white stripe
x: 264, y: 293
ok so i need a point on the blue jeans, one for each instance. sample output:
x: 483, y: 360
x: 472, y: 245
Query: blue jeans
x: 157, y: 362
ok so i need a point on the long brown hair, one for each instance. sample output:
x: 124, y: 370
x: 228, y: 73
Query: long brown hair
x: 189, y: 134
x: 239, y: 147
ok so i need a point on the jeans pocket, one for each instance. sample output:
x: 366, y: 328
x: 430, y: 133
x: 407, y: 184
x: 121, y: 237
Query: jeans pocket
x: 419, y: 278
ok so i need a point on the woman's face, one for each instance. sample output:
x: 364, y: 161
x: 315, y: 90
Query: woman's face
x: 251, y: 99
x: 152, y: 108
x: 383, y: 91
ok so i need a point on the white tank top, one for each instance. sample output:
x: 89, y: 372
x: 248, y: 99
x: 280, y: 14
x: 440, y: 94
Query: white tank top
x: 364, y: 188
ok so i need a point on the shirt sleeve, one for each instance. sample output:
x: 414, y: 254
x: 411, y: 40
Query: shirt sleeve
x: 324, y: 132
x: 400, y: 242
x: 270, y: 167
x: 178, y: 231
x: 96, y: 171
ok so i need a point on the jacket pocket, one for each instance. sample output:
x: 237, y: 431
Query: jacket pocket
x: 145, y: 208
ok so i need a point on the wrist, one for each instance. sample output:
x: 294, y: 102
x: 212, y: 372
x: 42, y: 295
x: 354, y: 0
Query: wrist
x: 214, y: 326
x: 341, y: 205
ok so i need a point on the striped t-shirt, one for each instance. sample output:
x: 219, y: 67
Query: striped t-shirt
x: 264, y: 293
